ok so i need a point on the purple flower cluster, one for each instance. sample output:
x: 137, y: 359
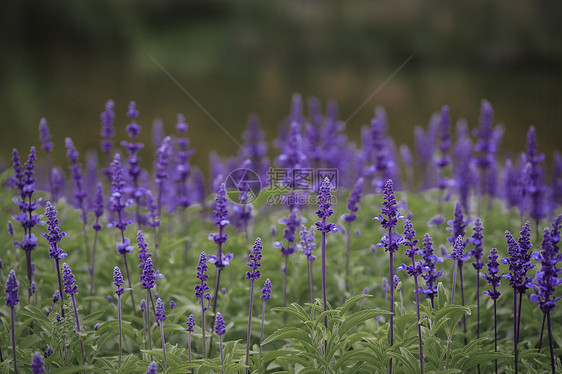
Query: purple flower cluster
x: 325, y: 211
x: 535, y: 188
x: 444, y: 146
x: 221, y: 220
x: 492, y: 276
x: 118, y: 280
x: 547, y: 279
x: 307, y: 244
x: 147, y: 276
x: 190, y: 323
x: 255, y: 257
x: 45, y: 136
x: 70, y: 288
x: 353, y: 200
x: 457, y: 225
x: 519, y: 260
x: 183, y: 169
x: 477, y: 251
x: 291, y: 223
x: 266, y: 290
x: 389, y: 210
x: 220, y: 326
x: 77, y: 177
x: 430, y: 260
x: 417, y: 268
x: 37, y: 364
x: 54, y: 235
x: 202, y: 288
x: 160, y: 310
x: 117, y: 201
x: 11, y: 290
x: 98, y: 207
x: 107, y: 130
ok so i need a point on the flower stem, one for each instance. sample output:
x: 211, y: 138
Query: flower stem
x: 422, y: 370
x: 310, y: 282
x: 516, y: 358
x: 249, y: 324
x: 462, y: 303
x: 347, y: 257
x: 120, y: 329
x: 92, y: 267
x: 495, y: 335
x: 14, y: 341
x: 203, y: 327
x: 189, y: 346
x: 78, y: 330
x: 163, y: 344
x: 222, y: 356
x: 391, y: 280
x: 324, y: 280
x: 542, y: 331
x: 550, y: 342
x: 60, y: 288
x: 129, y: 282
x: 448, y: 356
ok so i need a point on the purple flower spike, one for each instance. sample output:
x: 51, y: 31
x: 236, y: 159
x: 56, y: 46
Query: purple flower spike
x: 430, y: 275
x: 172, y: 304
x: 307, y: 242
x: 220, y: 326
x: 255, y: 256
x: 56, y: 296
x: 107, y: 130
x: 118, y: 281
x: 152, y: 368
x: 266, y: 290
x: 291, y: 223
x: 147, y: 276
x: 200, y: 289
x: 54, y: 235
x: 353, y: 201
x: 11, y: 290
x: 325, y: 211
x: 160, y: 311
x: 70, y: 288
x: 98, y: 207
x: 389, y: 208
x: 477, y: 251
x: 492, y: 276
x: 142, y: 305
x: 190, y: 323
x: 458, y: 249
x: 48, y: 352
x: 457, y: 225
x: 547, y: 279
x: 124, y: 247
x: 37, y: 364
x: 143, y: 249
x: 535, y: 187
x: 45, y: 136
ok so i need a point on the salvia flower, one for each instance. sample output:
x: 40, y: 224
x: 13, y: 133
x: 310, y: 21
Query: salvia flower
x: 353, y: 200
x: 221, y: 217
x: 124, y: 247
x: 56, y: 296
x: 117, y: 200
x: 143, y: 249
x: 458, y: 250
x: 291, y: 223
x: 172, y: 304
x: 431, y: 274
x: 220, y: 326
x: 142, y: 305
x: 200, y: 289
x: 160, y: 311
x: 70, y: 288
x: 147, y: 276
x: 547, y: 279
x: 416, y: 269
x: 307, y: 242
x: 492, y: 276
x: 98, y: 207
x: 477, y: 251
x: 535, y: 187
x: 389, y: 210
x: 45, y: 136
x: 54, y: 235
x: 325, y: 211
x: 255, y: 257
x: 190, y: 323
x: 118, y: 281
x: 107, y: 130
x: 457, y: 225
x: 37, y: 364
x: 48, y: 352
x: 266, y: 290
x: 152, y: 368
x: 11, y: 290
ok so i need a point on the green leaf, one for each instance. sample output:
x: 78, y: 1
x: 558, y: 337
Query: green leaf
x: 482, y: 358
x: 358, y: 318
x: 288, y: 333
x: 349, y: 303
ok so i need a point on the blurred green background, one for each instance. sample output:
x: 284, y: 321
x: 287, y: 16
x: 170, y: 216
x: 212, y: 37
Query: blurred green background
x: 62, y: 59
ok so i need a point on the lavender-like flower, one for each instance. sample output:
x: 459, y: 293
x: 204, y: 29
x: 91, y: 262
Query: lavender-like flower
x: 444, y: 147
x: 492, y: 276
x: 161, y: 316
x: 118, y: 281
x: 152, y: 368
x: 107, y: 133
x: 382, y: 161
x: 12, y: 300
x: 202, y: 294
x: 37, y: 364
x: 265, y: 295
x: 349, y: 218
x: 54, y: 235
x: 48, y: 352
x: 70, y: 288
x: 254, y: 274
x: 182, y: 168
x: 47, y: 145
x: 56, y: 297
x: 221, y: 220
x: 535, y: 187
x: 190, y: 325
x: 477, y: 253
x: 161, y: 171
x: 220, y: 330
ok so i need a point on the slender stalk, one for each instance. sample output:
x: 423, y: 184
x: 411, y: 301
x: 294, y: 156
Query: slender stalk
x: 222, y: 356
x: 92, y: 267
x: 519, y: 317
x: 285, y: 286
x: 551, y: 345
x: 189, y: 346
x: 120, y: 329
x: 78, y: 330
x: 448, y: 356
x: 163, y: 344
x: 129, y: 282
x: 203, y: 327
x: 310, y: 282
x: 477, y: 310
x: 60, y: 288
x: 148, y: 325
x: 217, y: 283
x: 14, y: 341
x: 85, y: 233
x: 391, y: 280
x: 542, y: 331
x: 462, y: 301
x: 324, y: 280
x: 347, y: 256
x: 249, y: 324
x: 418, y: 320
x: 516, y: 358
x: 495, y: 336
x: 262, y: 322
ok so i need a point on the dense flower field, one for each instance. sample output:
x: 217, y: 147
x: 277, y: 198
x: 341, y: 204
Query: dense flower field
x: 331, y: 258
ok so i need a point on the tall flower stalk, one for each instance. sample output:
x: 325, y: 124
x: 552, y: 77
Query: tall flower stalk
x: 265, y: 295
x: 494, y: 280
x: 220, y: 260
x: 307, y: 245
x: 545, y: 283
x: 118, y: 282
x: 12, y: 300
x: 478, y: 264
x: 54, y: 235
x: 70, y: 288
x: 148, y: 281
x: 118, y: 202
x: 202, y: 294
x: 253, y: 275
x: 431, y: 275
x: 457, y: 255
x: 414, y: 270
x: 160, y: 178
x: 160, y: 317
x: 325, y: 211
x: 390, y: 211
x: 98, y: 213
x: 350, y: 217
x: 220, y: 330
x: 190, y: 325
x: 107, y: 133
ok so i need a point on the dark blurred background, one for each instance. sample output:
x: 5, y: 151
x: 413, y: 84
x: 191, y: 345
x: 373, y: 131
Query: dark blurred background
x: 62, y: 59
